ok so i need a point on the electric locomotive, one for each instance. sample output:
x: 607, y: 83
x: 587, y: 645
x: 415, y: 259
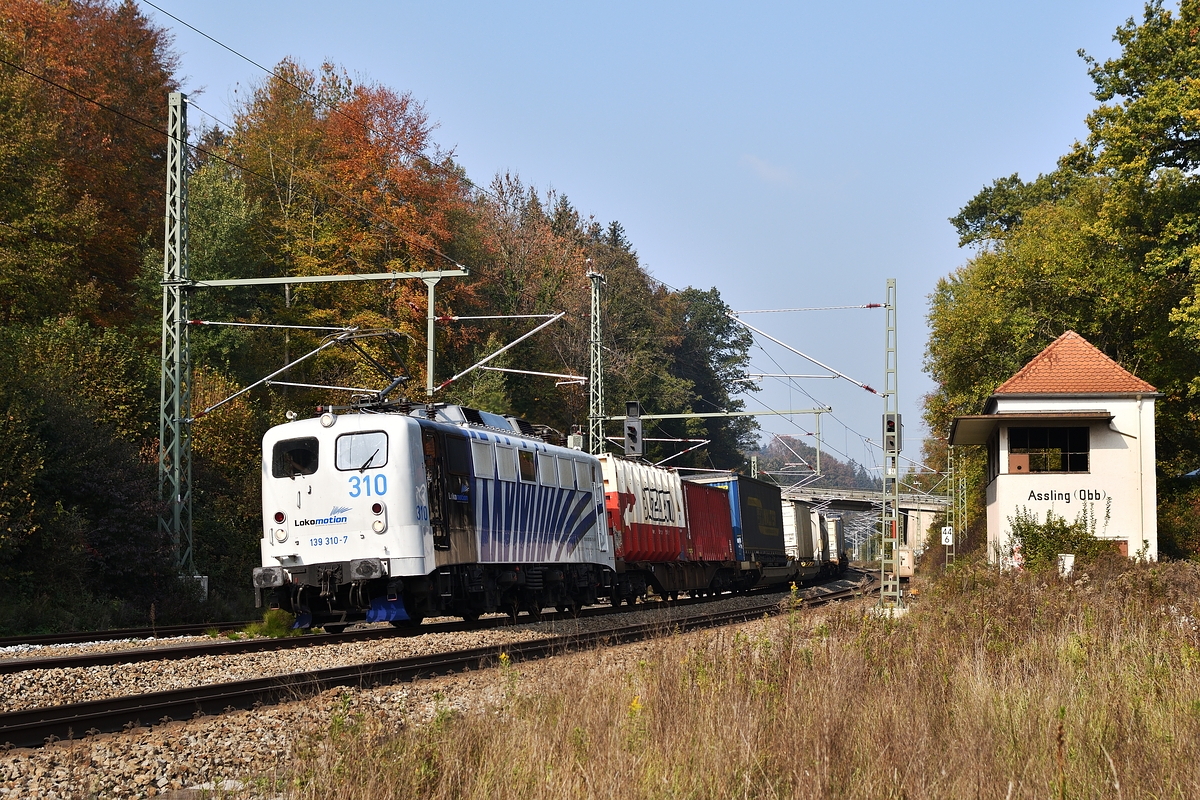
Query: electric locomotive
x: 399, y: 512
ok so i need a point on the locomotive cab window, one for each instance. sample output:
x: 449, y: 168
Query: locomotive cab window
x: 1051, y: 449
x: 293, y: 457
x: 361, y: 451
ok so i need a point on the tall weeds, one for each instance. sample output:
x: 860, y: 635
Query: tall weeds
x: 995, y: 686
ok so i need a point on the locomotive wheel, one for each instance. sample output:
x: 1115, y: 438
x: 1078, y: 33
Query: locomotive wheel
x: 569, y: 607
x: 411, y: 622
x: 470, y: 616
x: 334, y: 628
x: 535, y: 614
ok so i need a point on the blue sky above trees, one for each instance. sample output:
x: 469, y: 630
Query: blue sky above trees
x: 790, y: 154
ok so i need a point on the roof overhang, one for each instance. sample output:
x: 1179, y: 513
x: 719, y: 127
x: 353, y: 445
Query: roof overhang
x: 977, y: 429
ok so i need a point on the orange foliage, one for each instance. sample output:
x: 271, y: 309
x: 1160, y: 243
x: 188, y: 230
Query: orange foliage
x: 110, y: 53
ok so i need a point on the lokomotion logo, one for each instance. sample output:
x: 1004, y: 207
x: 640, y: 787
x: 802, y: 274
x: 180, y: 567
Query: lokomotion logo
x: 335, y: 518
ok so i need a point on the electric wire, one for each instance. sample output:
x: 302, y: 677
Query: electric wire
x: 313, y: 96
x: 417, y: 154
x: 196, y: 148
x: 455, y: 174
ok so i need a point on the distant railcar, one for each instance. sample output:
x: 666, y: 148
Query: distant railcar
x: 798, y: 539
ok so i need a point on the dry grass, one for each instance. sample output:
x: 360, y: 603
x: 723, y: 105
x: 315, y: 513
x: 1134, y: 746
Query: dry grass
x: 994, y: 686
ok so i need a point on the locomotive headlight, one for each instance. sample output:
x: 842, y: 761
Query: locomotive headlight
x: 281, y: 535
x: 379, y: 510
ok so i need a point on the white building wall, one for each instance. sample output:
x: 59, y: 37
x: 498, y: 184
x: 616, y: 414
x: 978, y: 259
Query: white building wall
x: 1120, y: 482
x: 994, y: 534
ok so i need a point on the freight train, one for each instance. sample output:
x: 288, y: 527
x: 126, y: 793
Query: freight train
x: 394, y: 513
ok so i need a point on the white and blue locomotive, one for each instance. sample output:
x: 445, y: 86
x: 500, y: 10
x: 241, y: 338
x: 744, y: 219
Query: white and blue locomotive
x: 398, y: 514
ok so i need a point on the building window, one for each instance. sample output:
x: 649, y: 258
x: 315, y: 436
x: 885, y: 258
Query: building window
x: 1051, y: 449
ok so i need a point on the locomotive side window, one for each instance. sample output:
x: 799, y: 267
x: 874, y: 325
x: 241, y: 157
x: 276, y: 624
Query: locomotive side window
x: 361, y: 451
x: 547, y: 474
x: 458, y: 456
x: 485, y: 460
x: 583, y: 475
x: 566, y: 473
x: 506, y: 463
x: 293, y: 457
x: 528, y: 468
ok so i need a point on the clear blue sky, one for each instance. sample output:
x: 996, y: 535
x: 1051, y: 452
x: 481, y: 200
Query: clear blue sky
x: 790, y: 154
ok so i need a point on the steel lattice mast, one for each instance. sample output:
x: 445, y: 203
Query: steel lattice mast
x: 959, y: 494
x: 174, y: 428
x: 596, y: 374
x: 889, y: 590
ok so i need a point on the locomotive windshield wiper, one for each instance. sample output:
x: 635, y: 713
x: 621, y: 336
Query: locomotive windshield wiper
x: 367, y: 463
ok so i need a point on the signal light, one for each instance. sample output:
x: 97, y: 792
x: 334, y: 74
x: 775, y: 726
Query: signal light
x: 280, y: 517
x: 377, y: 508
x: 892, y: 433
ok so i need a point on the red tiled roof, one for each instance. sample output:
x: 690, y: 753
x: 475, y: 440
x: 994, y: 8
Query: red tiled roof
x: 1072, y: 365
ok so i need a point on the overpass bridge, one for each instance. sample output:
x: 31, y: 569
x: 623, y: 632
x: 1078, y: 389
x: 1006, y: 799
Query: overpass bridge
x: 861, y: 500
x: 860, y: 510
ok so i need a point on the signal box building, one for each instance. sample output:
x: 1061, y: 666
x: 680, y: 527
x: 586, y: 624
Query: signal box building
x: 1071, y: 431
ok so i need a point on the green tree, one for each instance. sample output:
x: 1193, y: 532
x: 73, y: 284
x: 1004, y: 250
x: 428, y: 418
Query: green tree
x: 1105, y: 245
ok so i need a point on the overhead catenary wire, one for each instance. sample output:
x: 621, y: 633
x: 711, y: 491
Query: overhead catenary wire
x: 197, y: 149
x: 267, y: 325
x: 340, y: 194
x: 814, y: 308
x: 805, y: 356
x: 312, y: 96
x: 418, y: 154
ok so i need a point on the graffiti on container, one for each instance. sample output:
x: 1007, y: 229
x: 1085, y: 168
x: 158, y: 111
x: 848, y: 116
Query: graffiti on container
x: 656, y: 505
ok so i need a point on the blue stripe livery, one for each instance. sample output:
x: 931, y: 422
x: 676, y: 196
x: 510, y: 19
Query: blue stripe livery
x: 525, y: 522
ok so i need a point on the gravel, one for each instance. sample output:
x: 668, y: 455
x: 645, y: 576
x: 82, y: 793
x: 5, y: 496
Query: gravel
x: 107, y: 646
x: 181, y: 759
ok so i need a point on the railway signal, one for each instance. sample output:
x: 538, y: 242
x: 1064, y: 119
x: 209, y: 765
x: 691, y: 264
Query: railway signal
x: 633, y: 428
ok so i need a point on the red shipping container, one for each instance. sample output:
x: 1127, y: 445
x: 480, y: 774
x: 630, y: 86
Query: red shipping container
x: 645, y: 510
x: 710, y: 525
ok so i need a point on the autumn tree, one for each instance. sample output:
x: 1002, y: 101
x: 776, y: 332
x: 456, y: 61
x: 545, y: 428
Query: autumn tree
x: 788, y: 459
x: 82, y: 112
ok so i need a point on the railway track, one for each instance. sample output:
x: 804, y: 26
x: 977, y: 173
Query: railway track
x: 36, y: 727
x: 219, y: 647
x: 118, y: 634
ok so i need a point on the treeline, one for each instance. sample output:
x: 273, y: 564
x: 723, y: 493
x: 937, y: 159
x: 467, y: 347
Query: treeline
x: 317, y: 175
x: 1108, y: 244
x: 787, y: 460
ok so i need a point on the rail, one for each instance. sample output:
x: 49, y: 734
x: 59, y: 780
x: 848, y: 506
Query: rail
x: 39, y: 726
